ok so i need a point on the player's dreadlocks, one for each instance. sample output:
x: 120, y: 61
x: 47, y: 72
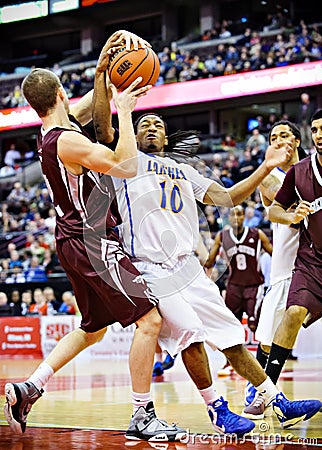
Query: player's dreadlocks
x: 183, y: 145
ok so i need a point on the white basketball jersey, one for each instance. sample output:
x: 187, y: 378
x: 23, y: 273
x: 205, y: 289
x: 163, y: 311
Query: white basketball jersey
x: 158, y: 209
x: 285, y: 244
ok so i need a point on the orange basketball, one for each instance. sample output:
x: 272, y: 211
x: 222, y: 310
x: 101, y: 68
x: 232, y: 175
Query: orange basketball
x: 126, y: 65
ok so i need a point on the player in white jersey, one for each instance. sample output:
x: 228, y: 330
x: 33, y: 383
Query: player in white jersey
x: 160, y: 231
x: 285, y: 245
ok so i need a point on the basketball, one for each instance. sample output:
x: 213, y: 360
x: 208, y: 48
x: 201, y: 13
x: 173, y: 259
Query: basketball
x: 126, y: 65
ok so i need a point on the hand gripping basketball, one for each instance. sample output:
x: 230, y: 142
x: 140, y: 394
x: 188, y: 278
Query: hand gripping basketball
x: 126, y: 65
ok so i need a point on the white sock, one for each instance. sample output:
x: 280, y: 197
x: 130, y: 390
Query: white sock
x: 41, y: 375
x: 268, y: 390
x: 209, y: 394
x: 158, y: 357
x: 139, y: 399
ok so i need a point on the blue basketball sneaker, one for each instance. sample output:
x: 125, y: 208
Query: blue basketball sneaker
x: 289, y: 413
x: 225, y: 421
x: 250, y: 392
x: 157, y: 369
x: 168, y: 362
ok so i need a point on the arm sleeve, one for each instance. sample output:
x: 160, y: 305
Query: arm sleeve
x: 287, y: 195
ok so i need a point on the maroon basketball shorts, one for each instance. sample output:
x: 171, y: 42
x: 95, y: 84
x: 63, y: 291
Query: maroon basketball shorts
x: 107, y: 286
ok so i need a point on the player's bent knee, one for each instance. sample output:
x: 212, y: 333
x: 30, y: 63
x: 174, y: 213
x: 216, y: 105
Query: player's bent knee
x: 234, y: 351
x: 295, y: 313
x: 150, y: 322
x: 96, y: 336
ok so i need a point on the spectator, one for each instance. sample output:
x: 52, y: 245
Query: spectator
x: 50, y: 297
x: 15, y: 303
x: 36, y: 272
x: 37, y: 250
x: 4, y: 270
x: 247, y: 165
x: 256, y: 138
x: 11, y: 156
x: 39, y: 306
x: 16, y: 198
x: 26, y: 301
x: 228, y: 142
x: 68, y: 305
x: 304, y: 114
x: 5, y: 308
x: 16, y: 275
x: 14, y: 260
x: 251, y: 220
x: 224, y: 33
x: 50, y: 221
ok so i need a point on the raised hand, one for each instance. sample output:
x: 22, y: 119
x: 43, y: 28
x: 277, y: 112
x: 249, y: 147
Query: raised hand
x: 302, y: 210
x: 278, y: 154
x: 115, y: 42
x: 127, y: 99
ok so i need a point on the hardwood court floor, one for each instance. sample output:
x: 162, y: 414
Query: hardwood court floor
x: 87, y: 406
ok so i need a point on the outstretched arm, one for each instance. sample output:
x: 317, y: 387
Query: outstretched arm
x: 266, y: 245
x: 213, y: 253
x: 276, y: 154
x: 77, y: 151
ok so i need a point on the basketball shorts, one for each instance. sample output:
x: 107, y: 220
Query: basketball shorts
x: 272, y: 310
x: 306, y: 290
x: 191, y: 307
x: 107, y: 287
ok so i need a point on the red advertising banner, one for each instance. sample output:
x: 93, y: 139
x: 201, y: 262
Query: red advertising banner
x: 197, y: 91
x: 20, y: 336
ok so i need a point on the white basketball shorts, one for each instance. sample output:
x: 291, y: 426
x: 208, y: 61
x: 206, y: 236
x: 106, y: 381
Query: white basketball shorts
x: 191, y: 307
x: 273, y: 307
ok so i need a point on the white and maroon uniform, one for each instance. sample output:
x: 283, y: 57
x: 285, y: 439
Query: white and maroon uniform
x: 107, y: 287
x: 160, y: 229
x: 245, y: 276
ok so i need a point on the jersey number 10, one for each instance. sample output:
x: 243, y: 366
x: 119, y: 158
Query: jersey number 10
x: 176, y: 203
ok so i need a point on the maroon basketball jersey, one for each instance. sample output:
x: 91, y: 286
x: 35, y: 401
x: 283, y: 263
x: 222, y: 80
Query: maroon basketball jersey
x: 82, y: 202
x: 308, y: 182
x: 243, y: 257
x: 304, y: 182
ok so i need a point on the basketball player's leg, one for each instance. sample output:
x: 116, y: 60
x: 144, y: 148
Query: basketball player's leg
x: 140, y: 303
x: 142, y: 350
x: 303, y: 298
x: 290, y: 325
x: 250, y: 294
x: 28, y: 392
x: 70, y: 346
x: 196, y: 362
x: 225, y: 332
x: 234, y: 300
x: 182, y: 331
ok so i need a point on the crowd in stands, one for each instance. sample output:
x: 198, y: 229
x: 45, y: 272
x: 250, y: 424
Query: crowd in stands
x: 28, y: 218
x: 254, y: 49
x: 40, y: 302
